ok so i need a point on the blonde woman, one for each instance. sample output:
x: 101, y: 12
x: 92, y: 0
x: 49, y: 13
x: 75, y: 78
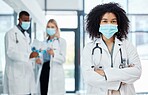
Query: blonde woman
x: 52, y: 80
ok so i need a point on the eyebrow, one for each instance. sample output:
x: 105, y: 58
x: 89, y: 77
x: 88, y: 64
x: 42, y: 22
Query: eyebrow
x: 106, y: 19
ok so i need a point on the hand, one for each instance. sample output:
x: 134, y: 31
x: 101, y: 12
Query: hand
x: 51, y: 52
x: 38, y: 61
x: 100, y: 71
x: 131, y: 65
x: 33, y: 55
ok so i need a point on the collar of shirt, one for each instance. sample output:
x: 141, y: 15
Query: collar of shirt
x: 20, y: 28
x: 51, y: 40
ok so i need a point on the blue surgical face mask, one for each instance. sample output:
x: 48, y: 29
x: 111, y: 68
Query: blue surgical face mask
x: 51, y: 31
x: 25, y: 25
x: 108, y: 30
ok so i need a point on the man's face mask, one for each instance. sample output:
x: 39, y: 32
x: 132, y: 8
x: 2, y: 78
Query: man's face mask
x: 25, y: 25
x: 51, y: 31
x: 108, y: 30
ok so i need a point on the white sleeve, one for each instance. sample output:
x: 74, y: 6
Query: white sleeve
x: 60, y: 55
x: 89, y: 75
x: 113, y: 85
x: 126, y: 75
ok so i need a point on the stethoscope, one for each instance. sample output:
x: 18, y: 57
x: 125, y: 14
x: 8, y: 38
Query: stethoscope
x: 122, y: 64
x: 16, y: 38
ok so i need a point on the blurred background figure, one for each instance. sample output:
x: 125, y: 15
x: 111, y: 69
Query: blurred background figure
x: 52, y: 79
x: 19, y: 76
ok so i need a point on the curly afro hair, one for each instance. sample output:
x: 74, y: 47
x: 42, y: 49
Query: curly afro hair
x: 94, y: 18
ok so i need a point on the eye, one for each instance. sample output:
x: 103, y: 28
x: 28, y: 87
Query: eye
x: 104, y: 21
x: 52, y: 27
x: 114, y: 21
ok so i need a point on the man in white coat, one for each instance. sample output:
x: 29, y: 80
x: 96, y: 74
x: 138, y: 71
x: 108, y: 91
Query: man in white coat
x: 19, y: 75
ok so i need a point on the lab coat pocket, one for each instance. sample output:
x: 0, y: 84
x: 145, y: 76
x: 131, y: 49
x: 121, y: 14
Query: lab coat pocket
x: 18, y: 70
x: 58, y: 78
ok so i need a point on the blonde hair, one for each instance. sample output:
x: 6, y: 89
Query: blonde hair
x: 57, y: 28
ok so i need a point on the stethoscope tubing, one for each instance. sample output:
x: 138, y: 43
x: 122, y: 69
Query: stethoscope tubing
x: 97, y: 46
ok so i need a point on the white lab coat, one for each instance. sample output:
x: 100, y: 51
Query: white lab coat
x: 19, y: 75
x: 37, y: 71
x: 56, y: 84
x: 99, y: 85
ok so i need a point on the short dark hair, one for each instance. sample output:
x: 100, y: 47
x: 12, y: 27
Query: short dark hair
x: 94, y: 18
x: 23, y: 13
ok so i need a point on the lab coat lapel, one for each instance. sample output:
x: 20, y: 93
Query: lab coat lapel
x: 19, y: 33
x: 117, y: 46
x: 101, y: 44
x: 24, y: 40
x: 24, y: 36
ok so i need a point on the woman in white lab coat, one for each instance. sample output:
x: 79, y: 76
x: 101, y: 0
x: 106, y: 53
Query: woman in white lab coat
x: 110, y: 63
x: 19, y: 75
x: 52, y: 79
